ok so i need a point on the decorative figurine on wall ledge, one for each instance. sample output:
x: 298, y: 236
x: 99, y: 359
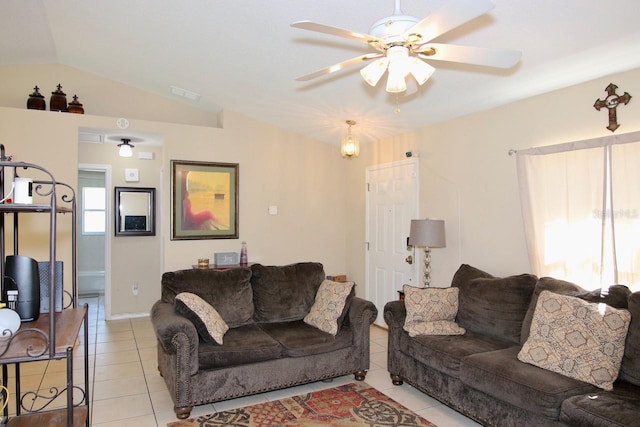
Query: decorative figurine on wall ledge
x: 611, y: 102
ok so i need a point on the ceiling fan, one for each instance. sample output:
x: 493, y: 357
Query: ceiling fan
x: 403, y: 41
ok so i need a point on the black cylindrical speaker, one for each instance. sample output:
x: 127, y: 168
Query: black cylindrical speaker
x: 21, y: 273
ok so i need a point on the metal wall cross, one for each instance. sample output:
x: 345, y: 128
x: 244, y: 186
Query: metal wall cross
x: 611, y: 102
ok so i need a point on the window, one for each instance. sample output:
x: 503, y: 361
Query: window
x: 94, y: 213
x: 581, y: 209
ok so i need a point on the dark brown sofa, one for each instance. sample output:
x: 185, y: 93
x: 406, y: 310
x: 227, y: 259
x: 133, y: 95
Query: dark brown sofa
x: 479, y: 374
x: 268, y: 345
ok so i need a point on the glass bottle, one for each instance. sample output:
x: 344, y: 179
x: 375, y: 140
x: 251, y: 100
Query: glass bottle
x: 243, y: 254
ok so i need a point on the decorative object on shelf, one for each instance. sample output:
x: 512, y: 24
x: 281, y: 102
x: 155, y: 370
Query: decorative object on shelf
x: 611, y: 102
x: 9, y: 321
x: 243, y: 254
x: 430, y: 234
x: 23, y: 190
x: 75, y: 106
x: 203, y: 262
x: 350, y: 147
x: 58, y: 101
x: 204, y: 201
x: 222, y: 259
x: 125, y: 148
x: 36, y: 100
x: 23, y: 275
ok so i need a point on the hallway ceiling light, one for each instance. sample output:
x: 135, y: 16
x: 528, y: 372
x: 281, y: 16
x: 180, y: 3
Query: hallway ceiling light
x: 125, y: 148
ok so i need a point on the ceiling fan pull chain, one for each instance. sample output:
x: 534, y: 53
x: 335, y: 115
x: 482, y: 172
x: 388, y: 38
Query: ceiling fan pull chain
x: 397, y: 110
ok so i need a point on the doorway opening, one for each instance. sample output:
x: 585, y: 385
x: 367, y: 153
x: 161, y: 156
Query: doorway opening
x: 93, y: 230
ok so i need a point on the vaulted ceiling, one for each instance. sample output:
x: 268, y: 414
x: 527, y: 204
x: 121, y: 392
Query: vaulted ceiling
x: 243, y: 55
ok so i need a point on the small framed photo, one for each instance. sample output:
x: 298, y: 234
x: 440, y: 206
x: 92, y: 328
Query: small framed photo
x: 204, y: 201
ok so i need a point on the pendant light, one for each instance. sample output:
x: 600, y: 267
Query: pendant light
x: 125, y: 148
x: 350, y: 147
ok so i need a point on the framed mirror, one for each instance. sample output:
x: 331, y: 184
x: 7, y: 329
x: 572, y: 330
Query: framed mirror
x: 135, y: 211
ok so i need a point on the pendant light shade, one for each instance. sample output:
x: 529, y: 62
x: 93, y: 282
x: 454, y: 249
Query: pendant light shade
x: 125, y: 148
x: 350, y: 146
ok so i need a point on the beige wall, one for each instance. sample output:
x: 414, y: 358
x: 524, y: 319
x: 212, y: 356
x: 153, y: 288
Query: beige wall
x: 303, y: 177
x: 469, y: 180
x: 467, y: 177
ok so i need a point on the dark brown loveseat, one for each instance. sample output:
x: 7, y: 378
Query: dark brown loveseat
x: 268, y: 345
x: 479, y: 373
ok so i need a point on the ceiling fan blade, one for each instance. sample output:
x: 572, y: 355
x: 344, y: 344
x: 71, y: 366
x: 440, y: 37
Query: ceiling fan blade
x: 451, y: 15
x: 499, y: 58
x: 335, y: 31
x: 340, y: 66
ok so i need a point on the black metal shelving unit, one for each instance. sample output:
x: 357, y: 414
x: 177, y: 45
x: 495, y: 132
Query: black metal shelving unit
x: 54, y: 334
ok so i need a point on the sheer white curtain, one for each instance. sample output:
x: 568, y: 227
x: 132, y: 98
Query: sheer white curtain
x: 581, y: 210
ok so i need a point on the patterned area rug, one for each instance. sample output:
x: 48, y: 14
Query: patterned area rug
x: 352, y: 405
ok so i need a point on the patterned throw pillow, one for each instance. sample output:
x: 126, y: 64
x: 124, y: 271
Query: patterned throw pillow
x: 328, y: 306
x: 577, y: 339
x: 431, y: 311
x: 210, y: 326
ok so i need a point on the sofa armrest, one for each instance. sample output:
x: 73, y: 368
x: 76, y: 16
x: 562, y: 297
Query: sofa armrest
x: 176, y: 334
x: 395, y: 314
x: 361, y: 313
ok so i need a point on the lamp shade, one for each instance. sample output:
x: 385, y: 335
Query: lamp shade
x: 428, y: 233
x: 374, y: 71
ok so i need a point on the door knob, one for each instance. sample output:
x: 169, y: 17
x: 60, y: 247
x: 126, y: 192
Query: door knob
x: 409, y: 259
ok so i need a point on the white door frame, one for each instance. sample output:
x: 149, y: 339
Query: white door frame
x: 108, y: 232
x: 368, y: 231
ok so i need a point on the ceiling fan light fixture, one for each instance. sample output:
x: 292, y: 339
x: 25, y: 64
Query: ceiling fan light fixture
x: 395, y: 81
x: 373, y: 72
x: 420, y: 70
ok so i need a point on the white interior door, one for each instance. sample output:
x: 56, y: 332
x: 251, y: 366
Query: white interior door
x: 392, y: 202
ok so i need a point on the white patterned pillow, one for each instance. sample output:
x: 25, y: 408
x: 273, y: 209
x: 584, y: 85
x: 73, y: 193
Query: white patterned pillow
x: 210, y: 326
x: 431, y: 311
x: 577, y: 339
x: 328, y: 305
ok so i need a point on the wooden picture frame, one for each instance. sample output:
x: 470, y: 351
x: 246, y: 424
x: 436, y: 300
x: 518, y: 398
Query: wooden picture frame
x: 204, y: 201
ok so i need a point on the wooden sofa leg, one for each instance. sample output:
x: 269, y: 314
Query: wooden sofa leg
x: 396, y: 379
x: 359, y: 376
x: 183, y: 412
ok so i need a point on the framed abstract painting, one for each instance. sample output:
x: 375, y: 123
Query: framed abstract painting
x: 204, y: 201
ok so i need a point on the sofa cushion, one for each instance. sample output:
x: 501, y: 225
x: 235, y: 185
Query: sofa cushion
x: 495, y: 306
x: 619, y: 407
x: 445, y: 353
x: 617, y: 297
x: 285, y: 293
x: 630, y: 368
x: 210, y: 326
x: 329, y: 305
x: 431, y: 311
x: 467, y: 272
x: 228, y: 291
x: 576, y: 338
x: 501, y: 375
x: 299, y: 339
x: 242, y: 345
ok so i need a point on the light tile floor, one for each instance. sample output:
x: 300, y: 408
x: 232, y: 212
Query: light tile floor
x: 127, y: 390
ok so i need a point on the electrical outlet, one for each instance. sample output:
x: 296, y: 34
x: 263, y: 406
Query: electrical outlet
x: 135, y: 288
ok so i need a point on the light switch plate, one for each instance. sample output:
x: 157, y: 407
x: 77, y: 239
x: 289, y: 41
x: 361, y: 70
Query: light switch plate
x: 131, y: 175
